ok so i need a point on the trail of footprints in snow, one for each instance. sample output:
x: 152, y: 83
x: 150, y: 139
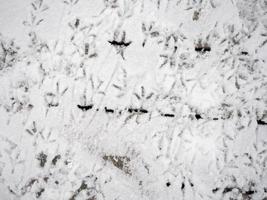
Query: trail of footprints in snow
x: 141, y: 111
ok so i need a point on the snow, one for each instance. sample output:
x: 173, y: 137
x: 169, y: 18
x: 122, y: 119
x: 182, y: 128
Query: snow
x: 133, y: 99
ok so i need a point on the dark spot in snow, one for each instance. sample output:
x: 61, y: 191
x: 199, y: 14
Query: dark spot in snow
x: 167, y: 115
x: 136, y: 110
x: 244, y: 52
x: 121, y: 43
x: 260, y: 122
x: 121, y: 162
x: 53, y: 104
x: 46, y: 179
x: 196, y: 15
x: 30, y: 106
x: 182, y: 186
x: 250, y: 192
x: 143, y: 110
x: 42, y: 157
x: 215, y: 190
x: 56, y: 182
x: 11, y: 191
x: 86, y: 48
x: 82, y: 187
x: 202, y: 49
x: 29, y: 185
x: 66, y: 162
x: 168, y: 184
x: 55, y: 159
x: 131, y: 110
x: 228, y: 189
x: 198, y: 116
x: 77, y: 22
x: 107, y: 110
x: 39, y: 193
x: 85, y: 107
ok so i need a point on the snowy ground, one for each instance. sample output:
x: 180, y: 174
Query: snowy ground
x: 133, y: 99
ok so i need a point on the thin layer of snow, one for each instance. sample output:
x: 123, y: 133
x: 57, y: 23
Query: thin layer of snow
x: 133, y: 99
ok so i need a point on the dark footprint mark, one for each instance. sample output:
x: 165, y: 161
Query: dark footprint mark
x: 244, y: 53
x: 198, y: 116
x: 107, y: 110
x: 55, y: 159
x: 82, y: 187
x: 42, y: 157
x: 39, y: 193
x: 260, y: 122
x: 119, y: 43
x: 202, y: 48
x: 167, y: 115
x: 86, y: 107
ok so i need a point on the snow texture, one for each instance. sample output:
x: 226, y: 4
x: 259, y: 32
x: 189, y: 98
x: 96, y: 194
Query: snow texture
x: 133, y: 99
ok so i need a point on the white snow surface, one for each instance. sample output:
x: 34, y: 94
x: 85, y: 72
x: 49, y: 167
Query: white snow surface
x: 133, y: 99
